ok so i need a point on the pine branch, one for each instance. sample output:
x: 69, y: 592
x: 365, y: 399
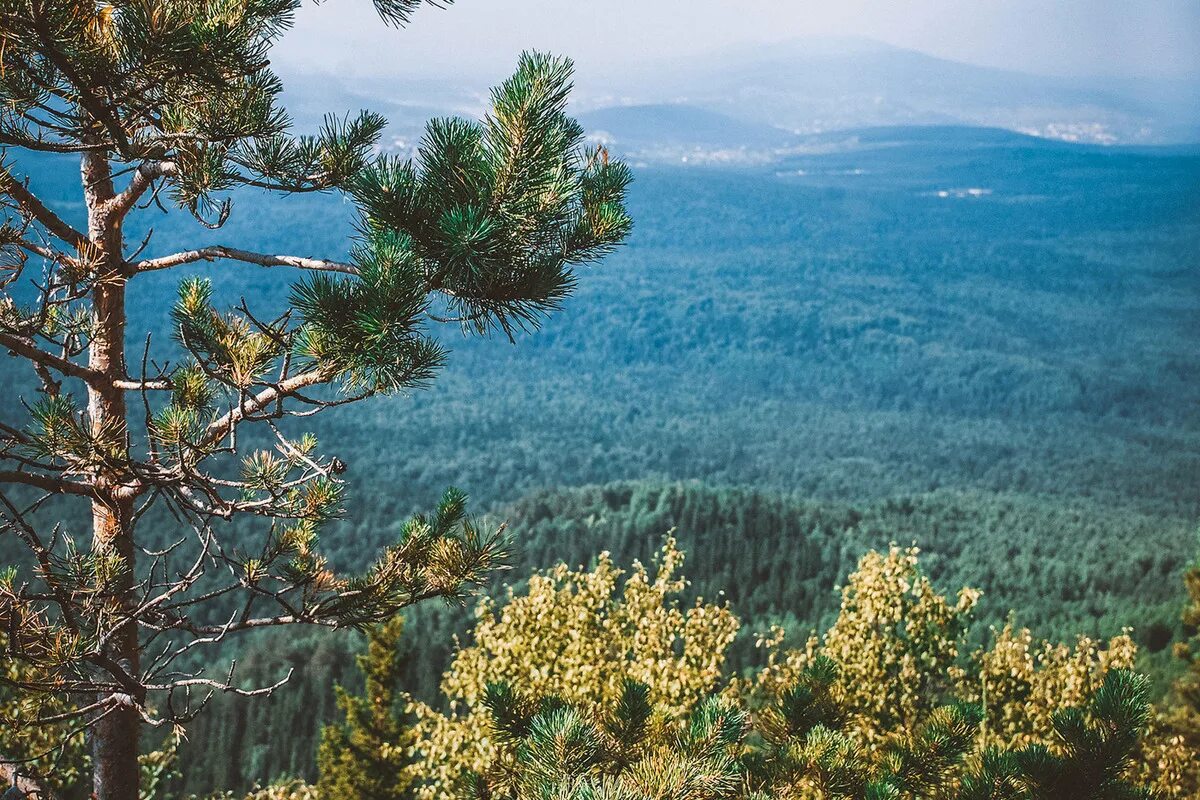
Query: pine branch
x: 399, y: 12
x: 222, y: 427
x: 233, y: 254
x: 143, y: 178
x: 46, y: 482
x: 23, y: 346
x: 85, y: 93
x: 36, y: 209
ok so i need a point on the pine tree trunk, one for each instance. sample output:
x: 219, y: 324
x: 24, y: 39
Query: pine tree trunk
x: 115, y: 737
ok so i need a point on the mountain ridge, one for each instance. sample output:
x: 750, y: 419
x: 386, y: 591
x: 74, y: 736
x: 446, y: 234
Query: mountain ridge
x: 821, y: 85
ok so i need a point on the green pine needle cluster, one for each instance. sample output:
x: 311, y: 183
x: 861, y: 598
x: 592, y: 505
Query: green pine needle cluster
x: 1097, y: 745
x: 519, y: 182
x: 799, y: 748
x: 553, y: 749
x: 60, y: 431
x: 187, y: 80
x: 368, y: 330
x: 232, y: 350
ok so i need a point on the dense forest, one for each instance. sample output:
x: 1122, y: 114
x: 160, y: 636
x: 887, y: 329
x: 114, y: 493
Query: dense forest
x: 834, y: 328
x: 1007, y: 378
x: 776, y: 560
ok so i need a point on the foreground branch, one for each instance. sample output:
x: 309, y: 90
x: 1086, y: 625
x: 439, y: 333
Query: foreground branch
x: 46, y: 482
x: 36, y: 209
x: 233, y: 254
x: 222, y: 427
x: 23, y: 346
x: 143, y: 178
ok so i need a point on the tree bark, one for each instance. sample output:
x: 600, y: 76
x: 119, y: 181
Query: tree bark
x: 115, y: 737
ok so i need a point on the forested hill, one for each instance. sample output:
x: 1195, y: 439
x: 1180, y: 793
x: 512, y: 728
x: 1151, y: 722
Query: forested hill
x: 779, y: 557
x: 955, y: 310
x: 998, y: 332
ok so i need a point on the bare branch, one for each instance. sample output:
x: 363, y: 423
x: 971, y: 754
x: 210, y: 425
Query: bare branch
x: 143, y: 178
x: 24, y: 346
x: 221, y: 427
x: 43, y: 251
x: 161, y: 385
x: 227, y: 684
x: 46, y: 482
x: 263, y: 260
x: 35, y: 208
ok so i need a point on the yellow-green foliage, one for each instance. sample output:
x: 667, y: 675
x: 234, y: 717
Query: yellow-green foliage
x: 892, y: 660
x: 898, y: 645
x: 46, y: 750
x: 283, y: 790
x: 1021, y: 682
x: 896, y: 642
x: 577, y: 634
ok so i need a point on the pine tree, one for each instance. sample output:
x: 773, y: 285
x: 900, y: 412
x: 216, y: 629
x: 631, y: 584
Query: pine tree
x: 366, y: 757
x: 554, y: 749
x: 1096, y: 745
x: 172, y: 103
x: 550, y: 748
x: 806, y: 745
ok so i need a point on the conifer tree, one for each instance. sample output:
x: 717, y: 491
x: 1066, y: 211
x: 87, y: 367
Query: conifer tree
x: 806, y: 745
x: 173, y: 104
x: 554, y: 749
x: 1096, y: 745
x: 550, y: 748
x: 367, y: 756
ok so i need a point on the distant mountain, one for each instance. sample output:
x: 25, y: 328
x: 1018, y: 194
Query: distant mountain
x: 681, y: 134
x: 944, y: 139
x: 816, y: 85
x: 744, y: 106
x: 309, y: 97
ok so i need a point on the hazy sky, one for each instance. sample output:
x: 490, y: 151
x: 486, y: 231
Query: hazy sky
x: 482, y: 37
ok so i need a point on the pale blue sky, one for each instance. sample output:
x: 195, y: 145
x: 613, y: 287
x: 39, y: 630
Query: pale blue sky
x: 481, y: 37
